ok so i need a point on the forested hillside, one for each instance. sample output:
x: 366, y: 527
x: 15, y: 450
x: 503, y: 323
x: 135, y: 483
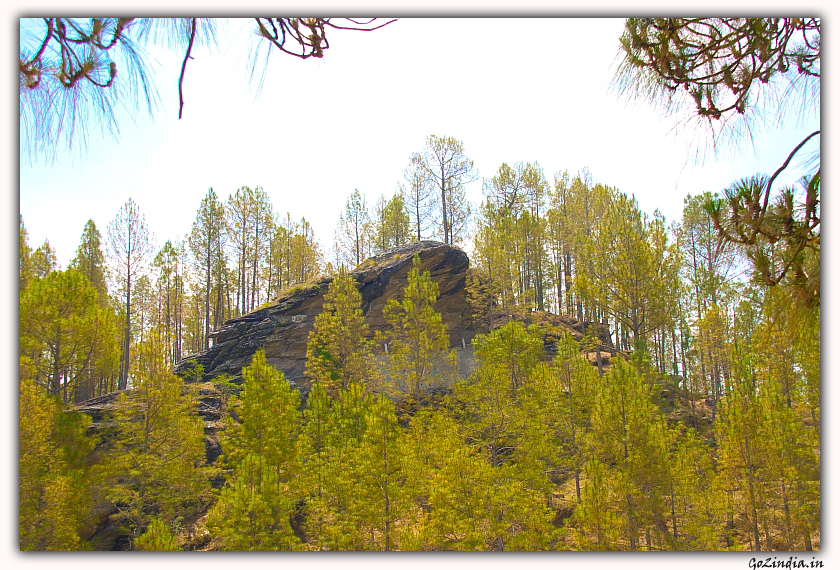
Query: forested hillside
x: 682, y: 411
x: 703, y: 433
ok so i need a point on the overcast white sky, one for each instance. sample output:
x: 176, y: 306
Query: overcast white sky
x: 510, y: 89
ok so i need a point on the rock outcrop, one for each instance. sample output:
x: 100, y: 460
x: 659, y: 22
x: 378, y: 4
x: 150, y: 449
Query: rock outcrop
x: 282, y: 327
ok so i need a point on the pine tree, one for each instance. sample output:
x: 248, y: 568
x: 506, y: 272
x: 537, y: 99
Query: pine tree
x: 419, y: 358
x: 90, y: 260
x: 354, y: 231
x: 380, y: 224
x: 461, y: 502
x: 782, y: 235
x: 419, y: 195
x: 207, y: 241
x: 599, y: 527
x: 278, y: 251
x: 100, y: 374
x: 512, y: 503
x: 26, y: 271
x: 710, y: 261
x: 493, y: 415
x: 392, y: 224
x: 248, y: 226
x: 262, y: 235
x: 768, y: 469
x: 43, y: 260
x: 335, y: 482
x: 314, y: 443
x: 269, y: 418
x: 339, y: 352
x: 155, y: 464
x: 625, y: 436
x: 129, y: 244
x: 713, y: 332
x: 475, y: 506
x: 512, y: 225
x: 54, y: 501
x: 307, y: 258
x: 696, y: 517
x: 482, y: 298
x: 254, y: 511
x: 431, y: 438
x: 505, y: 191
x: 445, y: 167
x: 491, y: 259
x: 62, y: 326
x: 792, y: 474
x: 559, y: 401
x: 167, y: 265
x: 380, y: 495
x: 708, y: 265
x: 536, y: 188
x: 631, y: 285
x: 564, y: 231
x: 738, y: 432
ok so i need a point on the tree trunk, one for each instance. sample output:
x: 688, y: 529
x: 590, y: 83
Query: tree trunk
x: 567, y: 278
x: 256, y: 262
x: 443, y: 204
x: 752, y: 498
x: 673, y: 513
x: 207, y: 304
x: 55, y: 381
x: 123, y: 384
x: 179, y: 330
x: 599, y: 360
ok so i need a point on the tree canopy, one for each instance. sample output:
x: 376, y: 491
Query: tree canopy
x: 732, y: 70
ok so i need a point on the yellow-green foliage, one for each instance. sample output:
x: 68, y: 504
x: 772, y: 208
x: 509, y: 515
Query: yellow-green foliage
x: 767, y: 459
x: 419, y: 357
x: 255, y: 507
x: 155, y: 466
x: 288, y: 292
x: 61, y: 324
x: 253, y: 512
x: 297, y: 289
x: 54, y: 501
x: 268, y: 410
x: 339, y: 353
x: 157, y: 538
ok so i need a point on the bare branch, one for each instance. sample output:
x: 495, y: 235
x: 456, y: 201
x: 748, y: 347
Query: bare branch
x: 184, y: 69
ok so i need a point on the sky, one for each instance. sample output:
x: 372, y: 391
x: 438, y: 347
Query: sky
x: 510, y: 89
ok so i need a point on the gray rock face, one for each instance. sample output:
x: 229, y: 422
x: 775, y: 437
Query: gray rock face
x: 283, y: 327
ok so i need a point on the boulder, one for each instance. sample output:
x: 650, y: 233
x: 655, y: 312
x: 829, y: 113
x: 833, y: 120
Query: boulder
x: 282, y: 327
